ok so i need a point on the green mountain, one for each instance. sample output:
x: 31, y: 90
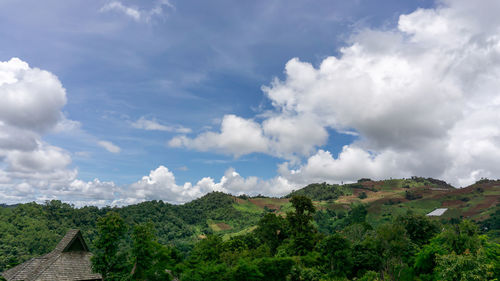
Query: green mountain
x: 32, y: 229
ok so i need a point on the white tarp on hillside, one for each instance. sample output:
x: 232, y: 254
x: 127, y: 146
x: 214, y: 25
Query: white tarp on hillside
x: 438, y: 212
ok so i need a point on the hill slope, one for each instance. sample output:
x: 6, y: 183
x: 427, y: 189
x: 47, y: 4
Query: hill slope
x: 28, y: 230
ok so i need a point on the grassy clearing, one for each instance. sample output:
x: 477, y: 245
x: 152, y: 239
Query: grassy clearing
x: 227, y: 236
x: 392, y: 184
x: 248, y: 207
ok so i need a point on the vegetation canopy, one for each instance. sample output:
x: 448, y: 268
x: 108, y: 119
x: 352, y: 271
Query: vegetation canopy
x: 369, y: 230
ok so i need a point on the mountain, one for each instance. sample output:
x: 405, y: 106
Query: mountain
x: 32, y: 229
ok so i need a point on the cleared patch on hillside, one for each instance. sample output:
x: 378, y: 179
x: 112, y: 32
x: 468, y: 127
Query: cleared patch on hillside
x: 220, y: 226
x: 269, y: 203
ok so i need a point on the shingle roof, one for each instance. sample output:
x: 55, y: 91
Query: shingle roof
x: 69, y: 261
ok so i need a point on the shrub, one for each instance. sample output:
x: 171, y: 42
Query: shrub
x: 362, y: 195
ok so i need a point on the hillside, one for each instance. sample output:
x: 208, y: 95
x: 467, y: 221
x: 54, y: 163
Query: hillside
x: 28, y: 230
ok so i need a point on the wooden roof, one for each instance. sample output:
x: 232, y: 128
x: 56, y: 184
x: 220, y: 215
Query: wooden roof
x: 69, y: 261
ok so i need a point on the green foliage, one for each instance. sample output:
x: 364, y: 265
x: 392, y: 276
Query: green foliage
x: 369, y: 276
x: 108, y: 260
x: 150, y: 258
x: 357, y: 214
x: 412, y: 195
x: 130, y: 243
x: 299, y: 273
x: 321, y: 191
x: 276, y: 269
x: 462, y: 267
x: 208, y: 249
x: 362, y: 195
x: 364, y: 180
x: 420, y: 229
x: 209, y: 271
x: 395, y: 248
x: 336, y: 253
x: 246, y: 271
x: 302, y: 230
x: 271, y: 230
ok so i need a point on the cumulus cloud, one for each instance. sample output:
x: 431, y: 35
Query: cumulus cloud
x: 109, y: 146
x: 30, y: 168
x: 31, y: 98
x: 238, y: 136
x: 423, y: 99
x: 137, y: 14
x: 154, y: 125
x: 160, y: 184
x: 44, y: 158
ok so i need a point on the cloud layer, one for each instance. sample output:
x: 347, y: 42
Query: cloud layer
x: 423, y: 98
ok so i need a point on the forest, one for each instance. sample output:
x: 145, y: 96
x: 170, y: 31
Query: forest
x: 300, y: 240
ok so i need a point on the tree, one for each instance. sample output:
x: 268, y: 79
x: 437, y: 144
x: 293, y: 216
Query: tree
x: 246, y: 271
x: 395, y: 248
x: 107, y: 259
x: 271, y: 229
x: 419, y: 228
x: 459, y: 247
x: 336, y: 252
x: 468, y: 267
x: 300, y: 224
x: 150, y: 258
x: 357, y: 214
x: 208, y: 249
x: 275, y: 269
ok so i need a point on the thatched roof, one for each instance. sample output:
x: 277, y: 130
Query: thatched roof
x: 69, y: 261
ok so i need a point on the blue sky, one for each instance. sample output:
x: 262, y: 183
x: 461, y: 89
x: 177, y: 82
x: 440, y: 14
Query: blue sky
x: 243, y: 97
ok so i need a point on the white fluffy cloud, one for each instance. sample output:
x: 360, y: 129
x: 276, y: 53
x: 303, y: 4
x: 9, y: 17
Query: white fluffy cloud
x: 238, y: 136
x: 31, y: 98
x: 160, y: 184
x: 31, y: 105
x: 423, y: 98
x: 30, y: 168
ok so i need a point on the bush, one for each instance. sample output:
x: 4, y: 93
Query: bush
x: 362, y: 195
x: 363, y: 180
x: 411, y: 195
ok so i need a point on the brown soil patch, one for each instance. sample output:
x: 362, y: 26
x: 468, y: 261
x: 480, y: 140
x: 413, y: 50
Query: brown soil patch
x: 453, y: 203
x: 368, y: 184
x: 357, y: 191
x: 394, y: 200
x: 262, y: 203
x: 488, y: 202
x: 239, y: 200
x: 223, y: 226
x: 372, y: 197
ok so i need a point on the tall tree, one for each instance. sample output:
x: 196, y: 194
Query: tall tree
x: 107, y: 259
x: 271, y: 230
x: 300, y: 224
x: 150, y: 258
x: 336, y: 253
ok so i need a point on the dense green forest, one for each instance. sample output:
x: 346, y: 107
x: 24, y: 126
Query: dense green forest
x: 340, y: 235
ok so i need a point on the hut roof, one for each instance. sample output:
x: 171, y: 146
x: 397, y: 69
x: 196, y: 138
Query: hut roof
x: 69, y: 261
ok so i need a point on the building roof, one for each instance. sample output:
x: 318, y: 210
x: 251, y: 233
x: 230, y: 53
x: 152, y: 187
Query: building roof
x: 69, y: 261
x: 437, y: 212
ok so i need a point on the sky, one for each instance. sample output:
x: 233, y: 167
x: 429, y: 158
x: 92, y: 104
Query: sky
x: 108, y: 102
